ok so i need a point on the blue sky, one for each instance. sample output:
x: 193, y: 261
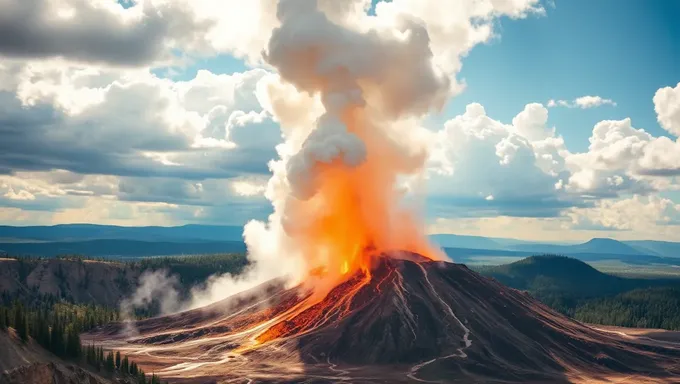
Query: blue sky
x: 578, y: 48
x: 624, y: 53
x: 99, y: 128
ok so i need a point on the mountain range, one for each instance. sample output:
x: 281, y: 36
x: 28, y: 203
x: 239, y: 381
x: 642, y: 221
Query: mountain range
x: 107, y: 240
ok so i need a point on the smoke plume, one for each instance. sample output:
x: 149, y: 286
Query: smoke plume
x: 154, y: 288
x: 349, y: 94
x: 334, y: 188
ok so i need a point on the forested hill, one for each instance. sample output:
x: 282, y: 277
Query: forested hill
x: 88, y: 281
x: 579, y: 290
x: 560, y: 274
x: 120, y: 248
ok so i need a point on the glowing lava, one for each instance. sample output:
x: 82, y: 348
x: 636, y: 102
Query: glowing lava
x: 338, y: 187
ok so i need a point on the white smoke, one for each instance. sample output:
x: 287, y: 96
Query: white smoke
x: 154, y: 287
x: 384, y: 70
x: 332, y: 59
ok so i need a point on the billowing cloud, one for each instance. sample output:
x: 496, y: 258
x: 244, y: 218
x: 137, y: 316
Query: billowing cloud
x: 135, y: 124
x: 91, y: 132
x: 667, y: 107
x: 98, y: 31
x: 518, y: 165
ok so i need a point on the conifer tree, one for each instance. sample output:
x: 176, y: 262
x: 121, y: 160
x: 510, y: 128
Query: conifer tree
x: 3, y: 318
x: 110, y: 365
x: 125, y: 365
x: 117, y: 360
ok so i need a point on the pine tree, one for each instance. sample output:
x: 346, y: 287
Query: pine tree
x: 110, y: 365
x: 141, y: 376
x: 57, y: 338
x: 100, y: 358
x: 72, y: 342
x: 125, y: 365
x: 3, y: 318
x: 20, y: 321
x: 117, y: 360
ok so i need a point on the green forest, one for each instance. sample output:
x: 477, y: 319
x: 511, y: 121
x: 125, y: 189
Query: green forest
x: 565, y: 284
x: 578, y: 290
x: 57, y: 328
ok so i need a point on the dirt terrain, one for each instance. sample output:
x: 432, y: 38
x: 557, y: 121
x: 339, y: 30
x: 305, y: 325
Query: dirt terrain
x: 412, y: 320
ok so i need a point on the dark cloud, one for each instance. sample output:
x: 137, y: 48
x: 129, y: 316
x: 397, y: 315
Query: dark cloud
x: 664, y: 172
x: 30, y: 29
x: 42, y: 139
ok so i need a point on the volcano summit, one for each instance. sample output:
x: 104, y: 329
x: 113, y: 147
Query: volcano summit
x: 410, y: 320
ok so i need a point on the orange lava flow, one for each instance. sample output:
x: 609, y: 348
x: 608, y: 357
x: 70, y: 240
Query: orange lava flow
x: 311, y: 315
x: 357, y: 212
x: 354, y: 217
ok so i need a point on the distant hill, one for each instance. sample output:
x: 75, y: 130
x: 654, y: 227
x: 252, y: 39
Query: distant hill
x: 559, y: 274
x: 562, y: 282
x: 121, y: 248
x: 597, y: 245
x: 82, y: 232
x: 658, y: 248
x: 461, y: 241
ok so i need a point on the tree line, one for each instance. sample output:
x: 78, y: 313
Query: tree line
x: 116, y: 363
x: 57, y: 328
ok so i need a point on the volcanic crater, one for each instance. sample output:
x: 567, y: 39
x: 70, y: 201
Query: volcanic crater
x: 409, y: 320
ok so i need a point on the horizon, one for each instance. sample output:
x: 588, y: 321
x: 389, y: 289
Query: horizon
x: 560, y: 124
x: 537, y: 241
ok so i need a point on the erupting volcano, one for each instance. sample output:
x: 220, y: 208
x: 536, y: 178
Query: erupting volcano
x: 366, y: 298
x: 411, y: 319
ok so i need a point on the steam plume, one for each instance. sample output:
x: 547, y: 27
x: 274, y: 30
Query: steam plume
x: 334, y: 188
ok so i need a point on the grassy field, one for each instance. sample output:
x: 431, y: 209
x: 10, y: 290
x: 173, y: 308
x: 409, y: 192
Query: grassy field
x: 619, y: 268
x: 488, y: 260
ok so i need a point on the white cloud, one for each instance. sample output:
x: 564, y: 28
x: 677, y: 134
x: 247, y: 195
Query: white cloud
x: 667, y: 107
x: 91, y: 133
x: 592, y: 101
x: 649, y: 216
x: 511, y: 164
x: 623, y: 158
x: 583, y: 102
x: 128, y: 122
x: 20, y: 195
x: 249, y: 187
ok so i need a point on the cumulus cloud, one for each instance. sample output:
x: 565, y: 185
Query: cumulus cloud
x: 90, y: 132
x: 637, y: 213
x: 623, y: 158
x: 583, y: 102
x: 484, y: 167
x: 100, y: 31
x: 667, y: 107
x: 134, y: 123
x: 631, y: 218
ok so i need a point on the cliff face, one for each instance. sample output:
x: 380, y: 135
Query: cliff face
x: 96, y: 282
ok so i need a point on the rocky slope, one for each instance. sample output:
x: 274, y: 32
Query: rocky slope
x: 97, y: 282
x: 413, y: 320
x: 23, y: 363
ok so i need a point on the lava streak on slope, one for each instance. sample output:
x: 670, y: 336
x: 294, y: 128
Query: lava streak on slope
x: 412, y: 320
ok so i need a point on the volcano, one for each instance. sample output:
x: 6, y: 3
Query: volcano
x: 410, y: 320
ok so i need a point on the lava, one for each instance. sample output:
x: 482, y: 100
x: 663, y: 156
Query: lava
x: 338, y: 188
x: 410, y: 320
